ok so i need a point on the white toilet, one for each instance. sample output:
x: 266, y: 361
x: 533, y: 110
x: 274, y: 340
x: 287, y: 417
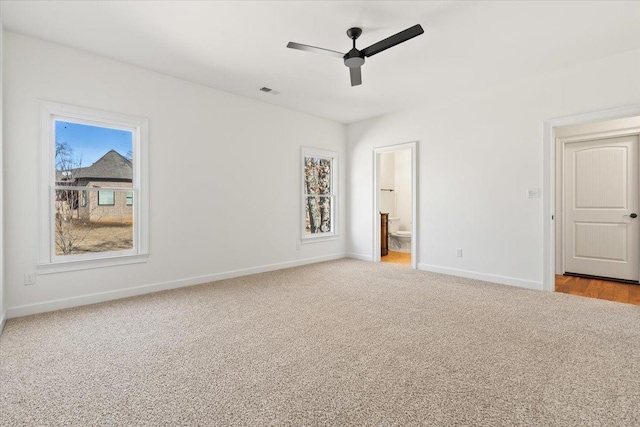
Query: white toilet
x: 399, y: 240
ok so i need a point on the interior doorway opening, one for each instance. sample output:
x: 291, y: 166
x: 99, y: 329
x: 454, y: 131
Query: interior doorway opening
x: 591, y: 200
x: 394, y: 213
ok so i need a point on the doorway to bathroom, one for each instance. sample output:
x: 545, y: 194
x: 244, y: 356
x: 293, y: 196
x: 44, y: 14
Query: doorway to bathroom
x: 394, y: 204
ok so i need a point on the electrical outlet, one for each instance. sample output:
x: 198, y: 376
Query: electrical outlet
x: 459, y: 252
x: 30, y: 278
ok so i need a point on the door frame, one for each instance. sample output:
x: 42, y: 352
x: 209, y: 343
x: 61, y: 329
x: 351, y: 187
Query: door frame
x: 413, y: 147
x: 553, y: 148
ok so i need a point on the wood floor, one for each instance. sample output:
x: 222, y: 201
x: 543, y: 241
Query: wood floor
x: 600, y: 289
x: 397, y: 258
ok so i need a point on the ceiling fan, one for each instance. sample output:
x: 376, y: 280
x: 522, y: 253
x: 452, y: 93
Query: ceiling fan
x: 355, y: 58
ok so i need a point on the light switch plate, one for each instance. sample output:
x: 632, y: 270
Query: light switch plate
x: 533, y: 193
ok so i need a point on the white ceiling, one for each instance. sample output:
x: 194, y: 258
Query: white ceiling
x: 240, y: 46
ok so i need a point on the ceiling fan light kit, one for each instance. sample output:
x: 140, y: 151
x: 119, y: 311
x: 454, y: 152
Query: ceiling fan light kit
x: 354, y: 59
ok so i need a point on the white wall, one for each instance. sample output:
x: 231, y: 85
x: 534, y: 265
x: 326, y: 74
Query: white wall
x: 387, y: 181
x: 477, y: 153
x: 395, y: 174
x: 224, y: 175
x: 2, y: 299
x: 402, y: 179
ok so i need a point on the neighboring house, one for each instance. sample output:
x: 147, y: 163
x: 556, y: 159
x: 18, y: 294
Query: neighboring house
x: 110, y: 171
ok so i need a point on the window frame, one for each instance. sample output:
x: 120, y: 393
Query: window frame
x: 333, y: 195
x: 48, y: 261
x: 113, y: 195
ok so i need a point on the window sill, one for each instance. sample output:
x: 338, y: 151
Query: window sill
x: 85, y: 264
x: 319, y: 239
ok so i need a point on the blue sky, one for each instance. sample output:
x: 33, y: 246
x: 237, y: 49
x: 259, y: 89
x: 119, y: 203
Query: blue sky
x: 92, y: 142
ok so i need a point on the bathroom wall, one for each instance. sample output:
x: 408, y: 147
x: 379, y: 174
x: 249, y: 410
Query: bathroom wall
x: 387, y: 180
x: 395, y: 173
x: 402, y: 177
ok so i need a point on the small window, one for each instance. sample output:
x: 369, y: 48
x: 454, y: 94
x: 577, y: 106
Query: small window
x: 319, y: 218
x: 106, y: 198
x: 92, y: 163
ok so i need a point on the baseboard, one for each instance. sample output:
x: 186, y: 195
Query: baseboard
x: 503, y: 280
x: 3, y: 320
x: 59, y: 304
x: 361, y: 257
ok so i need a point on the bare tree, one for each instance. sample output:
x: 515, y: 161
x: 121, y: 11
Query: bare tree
x: 318, y: 182
x: 68, y: 236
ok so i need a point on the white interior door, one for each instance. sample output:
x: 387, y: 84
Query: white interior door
x: 602, y: 237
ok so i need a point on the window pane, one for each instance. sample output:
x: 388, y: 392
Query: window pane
x: 317, y: 177
x: 92, y: 228
x: 106, y: 198
x: 318, y: 215
x: 93, y: 220
x: 92, y: 155
x: 129, y: 198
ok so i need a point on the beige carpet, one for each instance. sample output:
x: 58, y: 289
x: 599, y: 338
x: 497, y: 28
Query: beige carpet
x: 339, y: 343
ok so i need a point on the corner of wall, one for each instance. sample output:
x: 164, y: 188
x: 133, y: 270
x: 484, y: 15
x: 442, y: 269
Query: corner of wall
x: 3, y: 312
x: 3, y: 320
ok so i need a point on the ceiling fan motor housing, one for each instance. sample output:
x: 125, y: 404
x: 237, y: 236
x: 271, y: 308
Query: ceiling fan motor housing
x: 354, y: 58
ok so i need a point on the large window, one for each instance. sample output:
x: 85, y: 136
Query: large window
x: 319, y: 219
x: 92, y: 165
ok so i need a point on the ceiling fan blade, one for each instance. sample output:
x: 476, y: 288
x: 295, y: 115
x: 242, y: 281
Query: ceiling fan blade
x: 395, y: 39
x: 293, y: 45
x: 356, y: 76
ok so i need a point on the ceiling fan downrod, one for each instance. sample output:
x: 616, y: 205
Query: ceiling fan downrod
x: 354, y: 58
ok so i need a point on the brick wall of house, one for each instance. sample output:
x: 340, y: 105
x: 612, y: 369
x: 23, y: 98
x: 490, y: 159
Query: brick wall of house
x: 119, y: 212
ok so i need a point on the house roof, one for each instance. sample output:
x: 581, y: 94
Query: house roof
x: 111, y: 166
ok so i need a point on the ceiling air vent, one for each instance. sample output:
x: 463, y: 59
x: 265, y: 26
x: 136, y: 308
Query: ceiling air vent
x: 269, y: 90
